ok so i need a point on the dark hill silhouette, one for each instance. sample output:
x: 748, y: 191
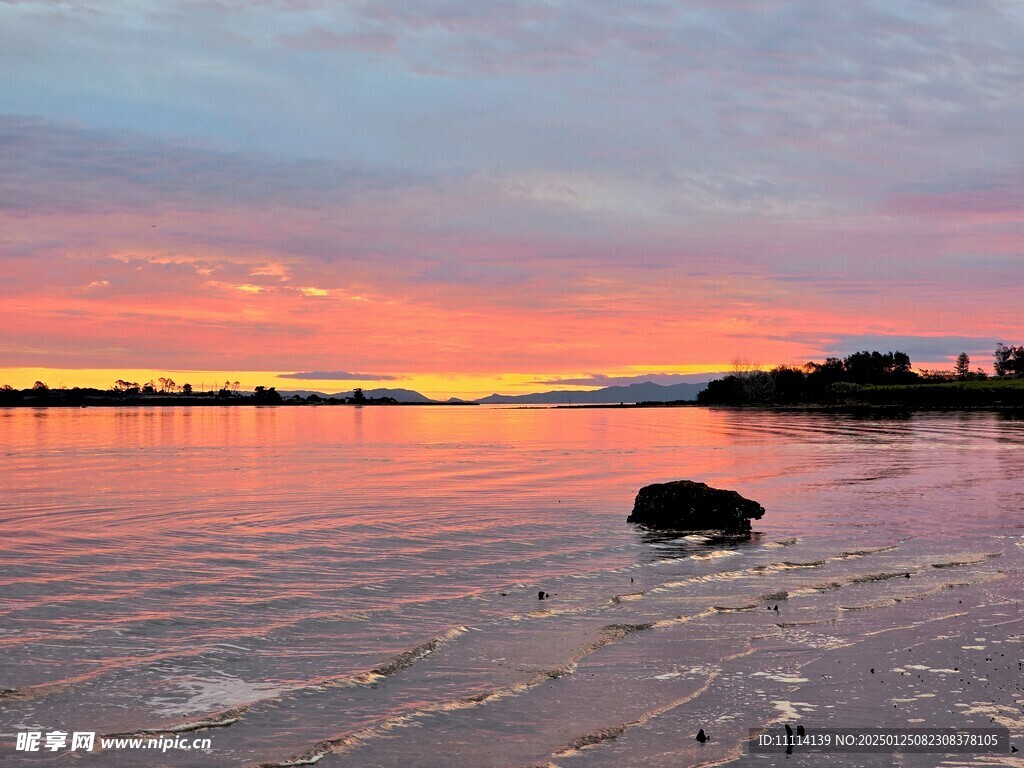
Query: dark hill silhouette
x: 401, y: 395
x: 645, y: 392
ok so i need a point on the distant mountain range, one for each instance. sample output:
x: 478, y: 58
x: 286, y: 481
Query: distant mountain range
x: 646, y: 392
x: 401, y: 395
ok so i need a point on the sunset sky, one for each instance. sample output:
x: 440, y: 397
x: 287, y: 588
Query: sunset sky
x: 462, y: 197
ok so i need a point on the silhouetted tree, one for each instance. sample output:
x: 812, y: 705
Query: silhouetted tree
x: 728, y: 390
x: 186, y: 388
x: 40, y: 386
x: 1000, y: 359
x: 962, y: 369
x: 263, y: 395
x: 757, y: 386
x: 358, y: 396
x: 875, y: 367
x: 789, y: 384
x: 1009, y: 360
x: 743, y: 367
x: 825, y: 373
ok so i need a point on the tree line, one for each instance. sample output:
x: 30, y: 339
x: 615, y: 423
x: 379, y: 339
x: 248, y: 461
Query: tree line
x: 165, y: 391
x: 838, y: 378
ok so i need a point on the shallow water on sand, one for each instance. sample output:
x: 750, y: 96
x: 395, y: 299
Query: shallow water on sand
x: 358, y: 586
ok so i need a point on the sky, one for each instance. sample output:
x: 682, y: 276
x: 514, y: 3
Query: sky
x: 463, y: 197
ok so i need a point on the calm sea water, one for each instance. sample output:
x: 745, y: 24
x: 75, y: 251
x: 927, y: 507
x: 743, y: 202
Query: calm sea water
x: 358, y: 586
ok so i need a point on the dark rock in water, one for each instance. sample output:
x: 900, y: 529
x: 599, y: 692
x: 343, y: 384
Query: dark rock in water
x: 701, y: 737
x: 542, y: 595
x: 684, y: 505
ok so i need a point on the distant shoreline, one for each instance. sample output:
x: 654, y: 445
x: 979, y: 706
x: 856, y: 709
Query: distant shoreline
x: 808, y: 407
x: 801, y: 408
x: 200, y: 402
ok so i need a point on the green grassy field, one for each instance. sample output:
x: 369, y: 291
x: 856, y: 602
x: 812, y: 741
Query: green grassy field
x: 999, y: 392
x: 986, y: 384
